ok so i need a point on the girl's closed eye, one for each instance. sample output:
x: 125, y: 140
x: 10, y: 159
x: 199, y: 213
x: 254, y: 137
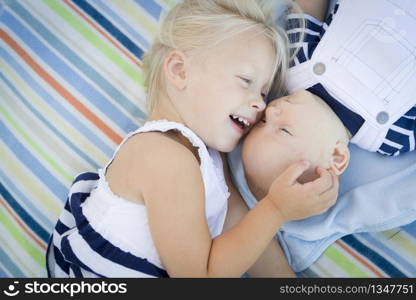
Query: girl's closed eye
x: 248, y: 82
x: 245, y: 80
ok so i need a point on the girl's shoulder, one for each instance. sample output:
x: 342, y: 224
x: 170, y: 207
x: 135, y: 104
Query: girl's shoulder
x: 147, y: 159
x: 157, y: 145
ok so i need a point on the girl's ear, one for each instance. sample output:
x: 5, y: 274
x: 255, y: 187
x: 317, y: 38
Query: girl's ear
x: 340, y: 158
x: 174, y: 68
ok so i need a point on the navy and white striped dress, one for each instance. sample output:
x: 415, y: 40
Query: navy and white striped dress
x: 400, y: 137
x: 100, y: 234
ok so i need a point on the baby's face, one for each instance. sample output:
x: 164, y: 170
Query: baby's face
x: 294, y: 128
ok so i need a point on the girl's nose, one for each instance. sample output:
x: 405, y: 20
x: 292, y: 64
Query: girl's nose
x: 259, y: 105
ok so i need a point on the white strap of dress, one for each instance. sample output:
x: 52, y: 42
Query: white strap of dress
x: 163, y: 126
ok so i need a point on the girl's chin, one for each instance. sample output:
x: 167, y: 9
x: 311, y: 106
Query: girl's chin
x: 227, y: 148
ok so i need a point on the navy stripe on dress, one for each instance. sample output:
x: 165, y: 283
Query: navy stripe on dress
x: 65, y: 256
x: 72, y: 258
x: 105, y: 248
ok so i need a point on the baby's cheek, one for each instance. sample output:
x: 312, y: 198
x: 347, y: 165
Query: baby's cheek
x: 309, y: 153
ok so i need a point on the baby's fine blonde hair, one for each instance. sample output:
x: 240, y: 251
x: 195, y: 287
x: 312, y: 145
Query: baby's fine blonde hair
x: 194, y: 25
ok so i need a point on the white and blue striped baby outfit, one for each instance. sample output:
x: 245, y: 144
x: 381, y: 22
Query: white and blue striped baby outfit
x: 401, y: 135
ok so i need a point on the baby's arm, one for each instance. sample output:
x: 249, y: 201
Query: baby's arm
x: 314, y: 8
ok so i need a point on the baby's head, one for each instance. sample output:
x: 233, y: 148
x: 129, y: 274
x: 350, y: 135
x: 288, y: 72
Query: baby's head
x: 300, y: 126
x: 212, y: 62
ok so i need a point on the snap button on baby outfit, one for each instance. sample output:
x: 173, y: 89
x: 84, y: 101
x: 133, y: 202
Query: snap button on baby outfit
x: 382, y: 117
x: 319, y: 68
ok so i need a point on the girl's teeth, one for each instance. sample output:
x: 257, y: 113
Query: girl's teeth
x: 241, y: 120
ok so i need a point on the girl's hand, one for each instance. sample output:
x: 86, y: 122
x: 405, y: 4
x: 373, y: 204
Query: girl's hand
x: 294, y: 201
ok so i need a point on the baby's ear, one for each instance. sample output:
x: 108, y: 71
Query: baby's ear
x: 340, y: 158
x: 174, y: 67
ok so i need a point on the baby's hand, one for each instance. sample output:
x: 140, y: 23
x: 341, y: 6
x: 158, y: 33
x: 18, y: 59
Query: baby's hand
x: 294, y: 201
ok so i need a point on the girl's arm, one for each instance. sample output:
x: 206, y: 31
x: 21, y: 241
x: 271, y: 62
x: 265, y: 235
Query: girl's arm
x: 272, y: 262
x: 314, y: 8
x: 172, y: 187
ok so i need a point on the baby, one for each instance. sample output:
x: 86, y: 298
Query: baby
x: 352, y: 80
x: 300, y: 126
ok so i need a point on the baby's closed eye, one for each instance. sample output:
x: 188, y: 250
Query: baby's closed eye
x: 285, y: 131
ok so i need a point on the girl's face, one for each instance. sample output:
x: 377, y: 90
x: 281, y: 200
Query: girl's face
x: 226, y: 87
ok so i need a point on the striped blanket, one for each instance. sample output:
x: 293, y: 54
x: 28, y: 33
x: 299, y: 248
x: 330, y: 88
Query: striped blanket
x: 71, y: 87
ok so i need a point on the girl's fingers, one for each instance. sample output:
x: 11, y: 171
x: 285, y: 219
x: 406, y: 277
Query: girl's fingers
x: 330, y: 196
x: 322, y: 184
x: 294, y: 171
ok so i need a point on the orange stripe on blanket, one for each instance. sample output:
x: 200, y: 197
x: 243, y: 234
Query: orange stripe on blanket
x: 102, y: 32
x: 60, y: 89
x: 22, y: 226
x: 361, y: 260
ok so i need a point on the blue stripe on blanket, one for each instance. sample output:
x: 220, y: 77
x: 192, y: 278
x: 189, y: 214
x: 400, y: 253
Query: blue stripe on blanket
x: 77, y: 61
x: 57, y: 64
x: 122, y: 24
x: 23, y: 154
x: 32, y: 109
x: 110, y: 28
x: 13, y: 189
x: 23, y: 215
x: 410, y: 229
x: 389, y: 253
x: 11, y: 266
x: 55, y: 104
x: 380, y: 261
x: 151, y: 7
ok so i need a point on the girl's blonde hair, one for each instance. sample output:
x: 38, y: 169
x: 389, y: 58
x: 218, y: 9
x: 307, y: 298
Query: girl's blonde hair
x: 200, y: 24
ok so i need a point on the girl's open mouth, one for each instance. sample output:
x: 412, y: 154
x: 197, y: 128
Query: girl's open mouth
x: 240, y: 122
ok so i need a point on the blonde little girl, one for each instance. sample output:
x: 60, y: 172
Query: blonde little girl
x: 158, y: 207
